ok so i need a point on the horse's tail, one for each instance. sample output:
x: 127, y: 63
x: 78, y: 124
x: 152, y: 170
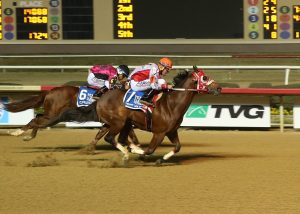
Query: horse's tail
x: 80, y: 114
x: 31, y: 102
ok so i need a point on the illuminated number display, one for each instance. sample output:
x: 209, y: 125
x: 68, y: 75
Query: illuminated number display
x: 270, y: 19
x: 124, y: 19
x: 296, y: 21
x: 170, y: 19
x: 32, y: 23
x: 1, y: 35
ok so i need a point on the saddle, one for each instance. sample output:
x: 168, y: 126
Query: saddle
x: 131, y: 100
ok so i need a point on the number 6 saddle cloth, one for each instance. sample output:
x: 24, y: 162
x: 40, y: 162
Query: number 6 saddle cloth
x: 85, y: 96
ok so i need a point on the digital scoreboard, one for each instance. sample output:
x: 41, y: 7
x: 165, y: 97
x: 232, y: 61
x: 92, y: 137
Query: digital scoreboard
x: 188, y: 19
x: 125, y: 21
x: 46, y: 20
x: 200, y: 19
x: 32, y: 23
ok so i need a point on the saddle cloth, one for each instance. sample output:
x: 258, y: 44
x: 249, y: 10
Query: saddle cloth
x: 132, y: 98
x: 85, y: 96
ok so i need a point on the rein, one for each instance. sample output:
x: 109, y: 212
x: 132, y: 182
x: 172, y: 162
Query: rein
x: 184, y: 89
x: 201, y: 83
x: 189, y: 89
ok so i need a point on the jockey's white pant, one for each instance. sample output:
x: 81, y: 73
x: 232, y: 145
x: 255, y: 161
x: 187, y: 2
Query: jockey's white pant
x: 145, y: 85
x: 99, y: 83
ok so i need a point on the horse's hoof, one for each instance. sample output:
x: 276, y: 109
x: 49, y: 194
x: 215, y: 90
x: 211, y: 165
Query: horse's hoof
x: 125, y: 157
x: 136, y: 150
x: 159, y: 162
x: 16, y: 133
x: 125, y: 163
x: 125, y: 160
x: 88, y: 150
x: 90, y: 147
x: 27, y: 138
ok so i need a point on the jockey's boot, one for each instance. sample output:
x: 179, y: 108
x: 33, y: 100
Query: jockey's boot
x: 99, y: 93
x: 146, y: 99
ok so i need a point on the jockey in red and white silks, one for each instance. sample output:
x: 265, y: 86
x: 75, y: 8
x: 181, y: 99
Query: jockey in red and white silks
x: 147, y: 77
x: 101, y: 75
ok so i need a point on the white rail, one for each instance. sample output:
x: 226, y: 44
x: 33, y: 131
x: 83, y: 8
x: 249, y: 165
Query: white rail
x: 285, y: 68
x: 114, y: 55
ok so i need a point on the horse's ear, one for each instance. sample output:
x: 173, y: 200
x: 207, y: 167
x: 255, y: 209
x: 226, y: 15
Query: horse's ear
x: 195, y: 68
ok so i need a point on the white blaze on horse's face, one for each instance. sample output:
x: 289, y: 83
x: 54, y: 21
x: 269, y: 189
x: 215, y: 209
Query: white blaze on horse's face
x: 202, y: 81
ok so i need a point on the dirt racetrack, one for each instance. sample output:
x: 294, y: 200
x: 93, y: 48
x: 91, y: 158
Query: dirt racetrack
x: 215, y: 172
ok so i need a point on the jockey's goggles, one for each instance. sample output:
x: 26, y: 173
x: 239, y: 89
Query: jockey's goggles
x: 165, y: 66
x: 120, y: 71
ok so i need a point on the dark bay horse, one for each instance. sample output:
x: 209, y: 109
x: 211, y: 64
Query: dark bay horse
x: 166, y: 117
x: 54, y: 102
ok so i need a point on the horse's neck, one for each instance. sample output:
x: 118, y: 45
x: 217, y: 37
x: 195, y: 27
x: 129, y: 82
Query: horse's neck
x: 179, y: 101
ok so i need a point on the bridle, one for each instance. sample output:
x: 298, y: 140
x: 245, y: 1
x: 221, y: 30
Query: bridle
x: 201, y: 81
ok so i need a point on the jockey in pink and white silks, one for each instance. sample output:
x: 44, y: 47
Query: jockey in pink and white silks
x: 148, y: 77
x: 103, y: 77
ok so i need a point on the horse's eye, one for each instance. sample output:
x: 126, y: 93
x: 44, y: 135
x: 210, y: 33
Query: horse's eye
x: 205, y: 78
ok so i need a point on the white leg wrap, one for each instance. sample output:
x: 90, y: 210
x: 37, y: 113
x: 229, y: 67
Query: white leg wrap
x: 167, y: 156
x: 122, y: 149
x: 135, y: 149
x: 17, y: 132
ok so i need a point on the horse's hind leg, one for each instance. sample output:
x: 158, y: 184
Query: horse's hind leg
x: 102, y: 131
x: 155, y: 142
x: 110, y: 138
x: 126, y: 131
x: 90, y: 149
x: 134, y: 138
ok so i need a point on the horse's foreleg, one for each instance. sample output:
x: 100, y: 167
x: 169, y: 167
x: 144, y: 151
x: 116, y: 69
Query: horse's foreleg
x: 32, y: 135
x: 34, y: 124
x: 28, y: 126
x: 22, y: 130
x: 173, y: 137
x: 155, y: 142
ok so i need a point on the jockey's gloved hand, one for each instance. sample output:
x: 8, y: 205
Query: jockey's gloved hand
x: 113, y: 81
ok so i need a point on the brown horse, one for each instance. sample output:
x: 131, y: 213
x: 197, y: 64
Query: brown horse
x: 166, y: 118
x: 54, y: 102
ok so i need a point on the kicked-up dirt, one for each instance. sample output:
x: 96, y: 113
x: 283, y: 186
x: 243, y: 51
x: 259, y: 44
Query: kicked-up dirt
x: 215, y: 172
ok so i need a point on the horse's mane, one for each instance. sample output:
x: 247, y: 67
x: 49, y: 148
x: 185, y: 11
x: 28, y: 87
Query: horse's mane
x: 179, y: 78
